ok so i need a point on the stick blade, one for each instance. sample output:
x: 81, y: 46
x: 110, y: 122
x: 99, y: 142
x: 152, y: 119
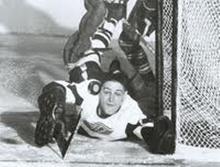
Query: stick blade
x: 62, y: 141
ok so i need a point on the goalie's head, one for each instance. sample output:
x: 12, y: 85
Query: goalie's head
x: 117, y: 75
x: 113, y: 90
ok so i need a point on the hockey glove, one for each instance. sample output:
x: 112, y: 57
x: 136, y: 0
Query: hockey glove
x: 160, y: 138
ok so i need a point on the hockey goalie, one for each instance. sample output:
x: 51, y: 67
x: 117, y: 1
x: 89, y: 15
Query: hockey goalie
x: 100, y: 104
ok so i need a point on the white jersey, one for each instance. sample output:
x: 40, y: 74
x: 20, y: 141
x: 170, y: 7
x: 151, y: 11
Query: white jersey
x: 110, y: 128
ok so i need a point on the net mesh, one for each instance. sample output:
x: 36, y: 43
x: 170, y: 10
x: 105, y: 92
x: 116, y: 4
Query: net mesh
x: 198, y: 70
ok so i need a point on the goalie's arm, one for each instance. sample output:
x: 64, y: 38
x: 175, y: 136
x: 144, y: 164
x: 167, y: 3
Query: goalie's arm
x: 157, y: 133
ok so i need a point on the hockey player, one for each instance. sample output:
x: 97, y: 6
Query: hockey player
x: 105, y: 109
x: 142, y: 19
x: 95, y: 29
x: 103, y: 104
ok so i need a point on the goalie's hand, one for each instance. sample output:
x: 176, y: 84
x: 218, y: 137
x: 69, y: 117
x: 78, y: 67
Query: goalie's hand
x: 160, y: 138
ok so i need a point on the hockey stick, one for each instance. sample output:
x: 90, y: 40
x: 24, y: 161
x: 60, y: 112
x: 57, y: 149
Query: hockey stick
x: 61, y: 140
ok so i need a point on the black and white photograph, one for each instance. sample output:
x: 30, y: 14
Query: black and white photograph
x: 106, y: 83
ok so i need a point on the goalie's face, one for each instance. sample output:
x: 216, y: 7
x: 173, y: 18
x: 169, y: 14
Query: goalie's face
x: 111, y: 97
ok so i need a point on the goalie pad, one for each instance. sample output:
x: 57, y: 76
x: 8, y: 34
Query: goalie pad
x: 57, y: 104
x: 52, y: 109
x: 60, y: 110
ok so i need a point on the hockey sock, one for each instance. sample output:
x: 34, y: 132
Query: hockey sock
x: 141, y: 64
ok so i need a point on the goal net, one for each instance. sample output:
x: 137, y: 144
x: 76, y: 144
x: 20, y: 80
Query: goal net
x: 197, y: 63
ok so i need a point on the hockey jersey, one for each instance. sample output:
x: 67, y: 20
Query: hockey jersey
x: 110, y: 128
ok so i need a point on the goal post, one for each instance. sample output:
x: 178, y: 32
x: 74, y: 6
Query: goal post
x: 188, y: 51
x: 166, y: 38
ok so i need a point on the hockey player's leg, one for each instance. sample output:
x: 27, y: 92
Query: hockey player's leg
x: 79, y: 42
x: 88, y: 25
x: 160, y: 138
x: 94, y: 16
x: 52, y: 109
x: 138, y: 59
x: 115, y: 12
x: 69, y: 47
x: 130, y: 38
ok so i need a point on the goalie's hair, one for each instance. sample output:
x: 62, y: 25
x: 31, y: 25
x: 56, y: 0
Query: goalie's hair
x: 116, y: 74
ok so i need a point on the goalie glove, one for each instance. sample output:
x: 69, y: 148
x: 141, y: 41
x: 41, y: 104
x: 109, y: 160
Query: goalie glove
x: 160, y: 138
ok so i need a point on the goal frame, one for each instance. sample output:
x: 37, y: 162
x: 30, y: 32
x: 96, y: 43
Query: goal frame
x: 160, y: 61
